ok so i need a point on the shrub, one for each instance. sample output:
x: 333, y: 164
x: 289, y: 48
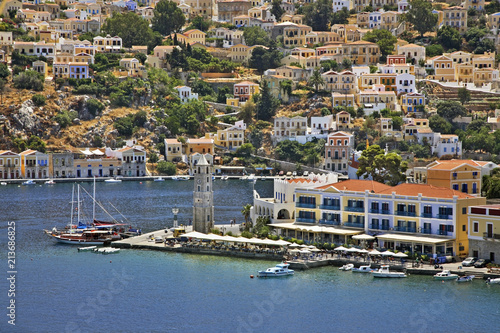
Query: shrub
x: 167, y: 168
x: 124, y: 126
x: 65, y: 118
x: 94, y: 106
x: 246, y: 234
x: 86, y: 89
x: 29, y: 80
x: 38, y: 99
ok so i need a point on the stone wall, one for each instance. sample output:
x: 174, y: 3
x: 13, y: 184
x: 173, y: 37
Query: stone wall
x: 484, y: 248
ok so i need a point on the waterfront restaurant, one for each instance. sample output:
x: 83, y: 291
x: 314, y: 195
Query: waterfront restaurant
x: 417, y: 218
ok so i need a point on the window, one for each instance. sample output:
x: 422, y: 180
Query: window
x: 476, y: 227
x: 464, y: 228
x: 464, y: 210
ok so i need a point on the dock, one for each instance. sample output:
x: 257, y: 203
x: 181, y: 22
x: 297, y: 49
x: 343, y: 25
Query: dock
x: 147, y: 242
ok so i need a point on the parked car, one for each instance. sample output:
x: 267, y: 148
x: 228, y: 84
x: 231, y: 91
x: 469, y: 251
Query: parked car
x: 482, y: 263
x: 469, y: 261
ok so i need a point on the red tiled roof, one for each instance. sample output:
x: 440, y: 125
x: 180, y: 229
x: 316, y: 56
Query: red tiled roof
x: 357, y: 185
x: 429, y: 191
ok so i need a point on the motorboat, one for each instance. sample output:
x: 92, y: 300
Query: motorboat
x: 159, y: 179
x: 384, y: 272
x: 29, y: 182
x: 113, y: 180
x: 363, y: 269
x: 493, y: 281
x: 445, y: 275
x: 278, y: 270
x: 346, y: 267
x: 224, y: 177
x: 180, y: 178
x: 50, y: 182
x: 467, y: 278
x: 107, y: 250
x: 87, y: 248
x: 251, y: 178
x: 3, y: 183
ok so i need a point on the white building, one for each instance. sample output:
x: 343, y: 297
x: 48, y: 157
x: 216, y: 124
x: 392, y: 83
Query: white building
x: 339, y: 4
x: 286, y: 128
x: 321, y: 125
x: 375, y: 19
x: 185, y: 93
x: 405, y: 83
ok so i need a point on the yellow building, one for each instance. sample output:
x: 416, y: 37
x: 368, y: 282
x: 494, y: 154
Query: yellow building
x: 202, y: 146
x: 455, y: 17
x: 459, y: 175
x: 10, y: 165
x: 484, y: 232
x: 417, y: 218
x: 232, y: 137
x: 173, y: 150
x: 34, y: 164
x: 295, y: 35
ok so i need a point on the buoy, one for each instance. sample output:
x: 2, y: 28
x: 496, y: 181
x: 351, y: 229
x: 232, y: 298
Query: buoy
x: 140, y: 182
x: 251, y: 276
x: 110, y: 261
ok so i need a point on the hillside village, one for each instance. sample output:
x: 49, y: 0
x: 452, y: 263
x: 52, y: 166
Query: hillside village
x: 391, y: 107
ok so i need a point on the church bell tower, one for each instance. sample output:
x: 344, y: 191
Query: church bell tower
x: 203, y: 197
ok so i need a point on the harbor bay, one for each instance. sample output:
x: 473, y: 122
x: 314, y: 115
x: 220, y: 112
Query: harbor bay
x: 61, y: 290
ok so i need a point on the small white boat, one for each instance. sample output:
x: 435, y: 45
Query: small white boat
x: 251, y: 178
x: 278, y: 270
x: 445, y: 275
x: 29, y: 182
x: 159, y: 179
x: 180, y: 178
x: 50, y: 182
x: 244, y: 178
x: 363, y: 269
x: 3, y: 183
x: 87, y: 248
x: 346, y: 267
x: 467, y: 278
x: 493, y: 281
x: 224, y: 178
x: 113, y: 180
x: 383, y: 272
x: 107, y: 250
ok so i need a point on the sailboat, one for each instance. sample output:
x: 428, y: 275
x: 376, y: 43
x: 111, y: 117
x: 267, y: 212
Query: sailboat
x: 94, y: 233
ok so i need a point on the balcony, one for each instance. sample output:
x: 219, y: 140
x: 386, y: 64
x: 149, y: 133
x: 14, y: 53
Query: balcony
x: 400, y: 229
x: 329, y: 222
x: 442, y: 232
x: 374, y: 211
x: 428, y: 215
x: 426, y: 231
x: 305, y: 205
x: 328, y: 207
x: 354, y: 225
x: 354, y: 209
x: 443, y: 217
x: 387, y: 212
x: 488, y: 235
x: 305, y: 220
x: 374, y: 226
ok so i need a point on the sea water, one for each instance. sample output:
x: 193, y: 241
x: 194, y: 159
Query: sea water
x: 61, y: 290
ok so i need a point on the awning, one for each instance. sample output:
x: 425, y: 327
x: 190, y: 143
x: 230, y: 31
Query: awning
x: 315, y: 229
x: 86, y: 152
x: 364, y: 236
x: 97, y: 152
x: 413, y: 239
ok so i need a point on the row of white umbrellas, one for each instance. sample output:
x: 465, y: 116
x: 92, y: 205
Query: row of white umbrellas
x: 372, y: 253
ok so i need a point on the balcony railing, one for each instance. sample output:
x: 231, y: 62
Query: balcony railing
x: 384, y: 227
x: 354, y: 225
x: 374, y: 226
x: 403, y: 213
x: 329, y: 222
x: 491, y: 236
x: 374, y: 211
x: 329, y: 207
x: 428, y: 215
x: 305, y: 220
x: 387, y: 212
x: 443, y: 232
x: 305, y: 205
x: 354, y: 209
x: 443, y: 217
x: 426, y: 231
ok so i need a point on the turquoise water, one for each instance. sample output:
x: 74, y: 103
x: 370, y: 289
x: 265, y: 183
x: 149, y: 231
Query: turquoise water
x: 61, y: 290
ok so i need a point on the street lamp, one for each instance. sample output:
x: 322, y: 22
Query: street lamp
x: 175, y: 210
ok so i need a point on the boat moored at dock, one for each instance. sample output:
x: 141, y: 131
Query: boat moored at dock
x: 467, y: 278
x: 445, y: 275
x: 363, y: 269
x: 277, y: 271
x: 493, y: 281
x: 346, y: 267
x: 383, y: 272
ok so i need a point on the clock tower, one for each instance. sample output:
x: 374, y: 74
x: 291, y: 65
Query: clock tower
x: 203, y: 197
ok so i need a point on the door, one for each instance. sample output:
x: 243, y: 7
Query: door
x: 492, y: 256
x: 489, y: 230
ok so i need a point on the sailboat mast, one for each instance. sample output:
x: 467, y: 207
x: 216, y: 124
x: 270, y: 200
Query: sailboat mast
x: 78, y: 204
x: 72, y: 205
x: 93, y: 207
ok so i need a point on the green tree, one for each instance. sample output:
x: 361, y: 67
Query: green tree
x: 246, y: 214
x: 383, y: 168
x: 440, y: 125
x: 245, y: 149
x: 316, y: 79
x: 198, y: 22
x: 153, y: 158
x: 340, y: 17
x: 449, y: 37
x: 492, y: 7
x: 263, y: 59
x: 318, y: 15
x: 449, y: 110
x: 266, y: 103
x: 383, y: 38
x: 421, y: 17
x: 222, y: 93
x: 124, y: 126
x: 167, y: 17
x: 29, y: 80
x: 346, y: 64
x: 463, y: 95
x: 4, y: 71
x: 247, y: 112
x: 166, y: 168
x: 35, y: 143
x: 277, y: 10
x: 433, y: 50
x: 38, y: 99
x: 132, y: 28
x: 256, y: 36
x: 95, y: 106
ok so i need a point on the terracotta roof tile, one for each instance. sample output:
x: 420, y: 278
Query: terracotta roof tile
x: 428, y: 191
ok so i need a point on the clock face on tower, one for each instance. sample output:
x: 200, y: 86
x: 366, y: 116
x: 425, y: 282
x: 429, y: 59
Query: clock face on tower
x: 199, y: 181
